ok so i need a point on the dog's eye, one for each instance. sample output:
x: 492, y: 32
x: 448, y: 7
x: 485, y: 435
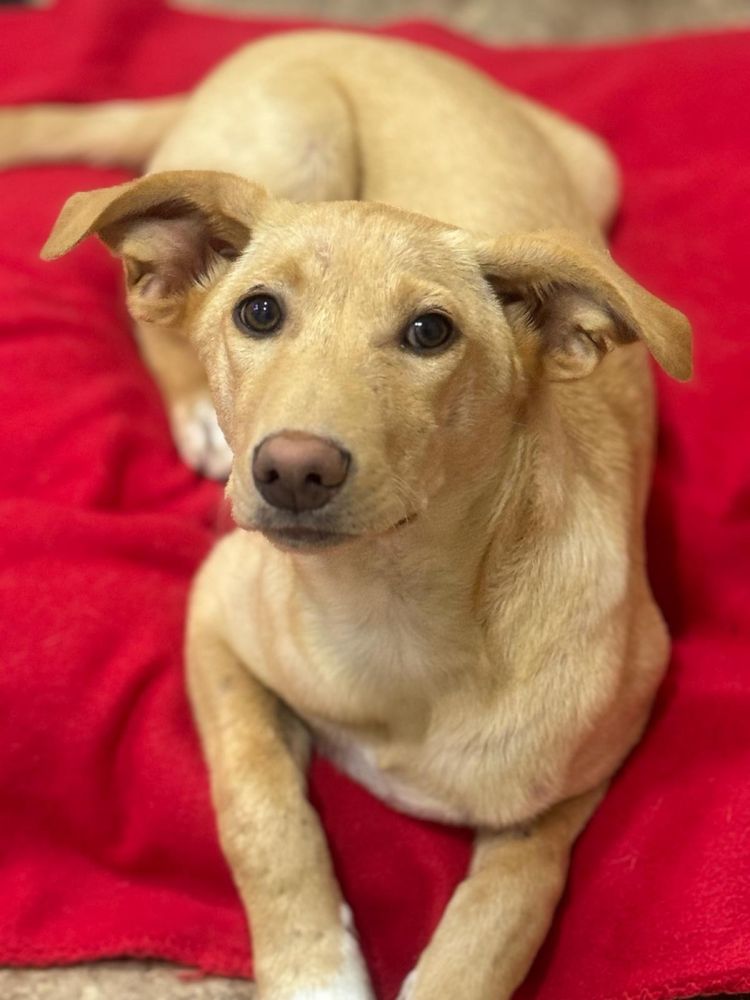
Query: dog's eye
x: 428, y: 333
x: 258, y: 315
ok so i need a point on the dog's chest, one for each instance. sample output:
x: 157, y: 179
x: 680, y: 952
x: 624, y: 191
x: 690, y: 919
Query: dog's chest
x: 362, y: 763
x: 373, y: 667
x: 373, y: 679
x: 355, y: 650
x: 405, y: 697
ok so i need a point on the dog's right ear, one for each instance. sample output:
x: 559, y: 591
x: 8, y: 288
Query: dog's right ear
x: 174, y: 231
x: 570, y: 304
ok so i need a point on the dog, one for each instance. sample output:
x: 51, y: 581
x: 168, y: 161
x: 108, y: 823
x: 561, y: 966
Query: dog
x: 374, y: 283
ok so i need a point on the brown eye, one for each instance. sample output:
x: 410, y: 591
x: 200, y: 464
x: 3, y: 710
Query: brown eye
x: 258, y: 315
x: 428, y: 333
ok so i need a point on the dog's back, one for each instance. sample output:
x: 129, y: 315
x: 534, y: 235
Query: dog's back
x: 432, y: 135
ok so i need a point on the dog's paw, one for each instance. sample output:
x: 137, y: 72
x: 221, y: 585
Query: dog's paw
x: 199, y: 438
x: 407, y: 987
x: 342, y: 988
x: 351, y: 982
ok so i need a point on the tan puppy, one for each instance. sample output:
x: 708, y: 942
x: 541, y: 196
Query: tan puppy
x: 442, y: 443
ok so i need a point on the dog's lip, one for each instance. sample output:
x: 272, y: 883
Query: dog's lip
x: 296, y: 537
x: 303, y: 536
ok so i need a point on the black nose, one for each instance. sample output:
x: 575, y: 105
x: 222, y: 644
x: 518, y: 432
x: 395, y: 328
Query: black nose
x: 297, y: 471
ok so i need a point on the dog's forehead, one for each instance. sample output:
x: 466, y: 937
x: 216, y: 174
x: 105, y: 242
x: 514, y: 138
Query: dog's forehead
x: 358, y: 236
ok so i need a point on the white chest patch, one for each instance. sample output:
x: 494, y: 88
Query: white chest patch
x: 361, y: 764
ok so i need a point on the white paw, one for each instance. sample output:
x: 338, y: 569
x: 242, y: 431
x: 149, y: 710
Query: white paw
x: 199, y: 438
x: 407, y: 987
x: 351, y: 982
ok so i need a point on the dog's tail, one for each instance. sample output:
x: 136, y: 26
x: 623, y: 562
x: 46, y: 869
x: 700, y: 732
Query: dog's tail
x: 115, y: 133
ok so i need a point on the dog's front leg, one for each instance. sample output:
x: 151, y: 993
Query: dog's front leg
x: 303, y: 943
x: 500, y: 914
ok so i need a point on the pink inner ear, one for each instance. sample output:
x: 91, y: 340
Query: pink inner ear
x: 174, y: 251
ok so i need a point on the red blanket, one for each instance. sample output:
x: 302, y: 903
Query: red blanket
x: 107, y: 841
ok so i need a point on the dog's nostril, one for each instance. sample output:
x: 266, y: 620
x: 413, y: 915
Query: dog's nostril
x: 313, y: 477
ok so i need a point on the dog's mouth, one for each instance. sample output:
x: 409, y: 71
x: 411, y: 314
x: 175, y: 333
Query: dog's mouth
x: 305, y: 539
x: 301, y: 538
x: 306, y: 531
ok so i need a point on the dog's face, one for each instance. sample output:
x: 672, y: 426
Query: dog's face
x: 362, y: 360
x: 359, y: 344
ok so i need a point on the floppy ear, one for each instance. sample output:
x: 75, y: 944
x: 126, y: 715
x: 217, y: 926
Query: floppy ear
x: 569, y: 302
x: 173, y: 231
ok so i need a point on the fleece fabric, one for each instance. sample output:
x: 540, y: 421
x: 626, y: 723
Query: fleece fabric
x: 107, y: 841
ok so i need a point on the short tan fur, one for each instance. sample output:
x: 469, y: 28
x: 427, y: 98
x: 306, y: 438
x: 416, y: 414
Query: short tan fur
x: 465, y: 624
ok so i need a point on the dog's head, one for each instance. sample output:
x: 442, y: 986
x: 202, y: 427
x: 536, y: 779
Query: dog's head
x: 362, y: 360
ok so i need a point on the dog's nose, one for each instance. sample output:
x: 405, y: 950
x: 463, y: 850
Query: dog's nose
x: 297, y: 471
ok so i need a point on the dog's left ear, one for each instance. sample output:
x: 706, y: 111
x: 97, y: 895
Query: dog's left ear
x: 570, y: 304
x: 174, y: 231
